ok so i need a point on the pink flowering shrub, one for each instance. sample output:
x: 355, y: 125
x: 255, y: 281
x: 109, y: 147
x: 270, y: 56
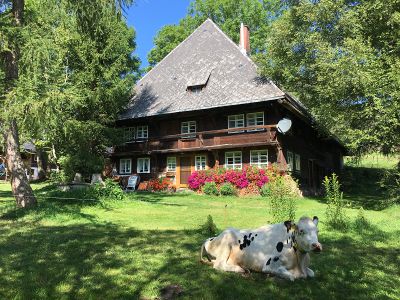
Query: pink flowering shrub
x: 241, y: 179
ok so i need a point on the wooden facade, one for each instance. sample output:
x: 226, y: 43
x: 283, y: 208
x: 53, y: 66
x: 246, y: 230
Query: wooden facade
x: 213, y: 139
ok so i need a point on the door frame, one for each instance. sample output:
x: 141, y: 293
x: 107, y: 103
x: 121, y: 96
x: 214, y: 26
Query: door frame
x: 192, y: 156
x: 178, y: 169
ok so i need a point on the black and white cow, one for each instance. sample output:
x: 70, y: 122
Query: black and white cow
x: 281, y: 249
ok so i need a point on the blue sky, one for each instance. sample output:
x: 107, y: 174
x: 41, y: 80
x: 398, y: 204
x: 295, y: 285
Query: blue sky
x: 148, y: 16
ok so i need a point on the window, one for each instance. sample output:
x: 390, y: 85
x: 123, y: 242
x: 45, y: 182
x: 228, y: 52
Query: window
x: 200, y: 162
x: 233, y: 160
x: 297, y: 162
x: 143, y: 165
x: 171, y: 164
x: 289, y: 160
x: 254, y: 119
x: 195, y: 89
x: 125, y: 166
x: 259, y: 158
x: 235, y: 121
x: 142, y: 132
x: 189, y: 129
x: 129, y: 134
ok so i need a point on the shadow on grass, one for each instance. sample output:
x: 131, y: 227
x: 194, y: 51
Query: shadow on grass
x: 108, y: 262
x: 156, y: 198
x: 361, y: 187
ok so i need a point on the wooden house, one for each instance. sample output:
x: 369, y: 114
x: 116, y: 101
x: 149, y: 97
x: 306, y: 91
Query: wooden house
x: 205, y: 105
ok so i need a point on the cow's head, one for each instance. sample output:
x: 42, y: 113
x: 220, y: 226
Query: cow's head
x: 307, y: 235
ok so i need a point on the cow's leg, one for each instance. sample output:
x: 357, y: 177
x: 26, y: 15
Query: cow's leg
x: 223, y: 266
x: 226, y: 262
x: 275, y: 267
x: 284, y: 273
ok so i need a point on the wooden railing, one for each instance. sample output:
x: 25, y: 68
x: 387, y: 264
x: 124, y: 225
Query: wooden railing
x: 221, y: 138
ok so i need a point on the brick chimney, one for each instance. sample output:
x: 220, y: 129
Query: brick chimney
x: 244, y: 39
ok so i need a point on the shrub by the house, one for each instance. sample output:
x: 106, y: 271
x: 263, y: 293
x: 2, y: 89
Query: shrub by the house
x: 227, y: 189
x: 210, y: 188
x: 282, y: 198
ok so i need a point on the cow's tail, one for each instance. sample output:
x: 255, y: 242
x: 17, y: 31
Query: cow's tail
x: 203, y: 252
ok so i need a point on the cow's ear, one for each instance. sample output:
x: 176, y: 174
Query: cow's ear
x: 288, y: 225
x: 315, y: 220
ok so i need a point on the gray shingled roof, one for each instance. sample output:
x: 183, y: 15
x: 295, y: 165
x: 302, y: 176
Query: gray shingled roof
x: 206, y: 56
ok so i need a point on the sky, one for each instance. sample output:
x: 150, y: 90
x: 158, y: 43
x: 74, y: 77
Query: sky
x: 148, y: 16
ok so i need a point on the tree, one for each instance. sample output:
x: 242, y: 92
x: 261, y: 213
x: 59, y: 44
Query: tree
x: 76, y: 72
x: 12, y: 19
x: 341, y: 59
x: 227, y: 14
x: 82, y: 75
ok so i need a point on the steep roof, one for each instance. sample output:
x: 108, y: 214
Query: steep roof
x: 206, y: 58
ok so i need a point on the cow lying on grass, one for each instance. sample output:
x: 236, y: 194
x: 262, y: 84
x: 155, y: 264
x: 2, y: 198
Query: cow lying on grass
x: 281, y: 249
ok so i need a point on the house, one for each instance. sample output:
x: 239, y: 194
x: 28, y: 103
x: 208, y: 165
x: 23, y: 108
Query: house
x: 204, y: 105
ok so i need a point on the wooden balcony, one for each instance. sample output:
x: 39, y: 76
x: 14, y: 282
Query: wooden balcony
x: 204, y: 140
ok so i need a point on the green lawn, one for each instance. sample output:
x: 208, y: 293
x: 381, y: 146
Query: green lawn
x: 132, y: 248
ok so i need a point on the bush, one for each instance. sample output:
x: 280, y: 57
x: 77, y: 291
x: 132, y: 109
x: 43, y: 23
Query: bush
x: 265, y: 190
x: 160, y: 184
x: 210, y: 188
x: 361, y: 223
x: 110, y: 190
x: 391, y: 183
x: 209, y: 228
x: 58, y: 177
x: 335, y: 214
x: 227, y: 189
x: 282, y: 199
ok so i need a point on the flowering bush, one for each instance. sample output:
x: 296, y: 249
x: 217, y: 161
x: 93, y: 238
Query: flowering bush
x: 160, y: 184
x: 250, y: 178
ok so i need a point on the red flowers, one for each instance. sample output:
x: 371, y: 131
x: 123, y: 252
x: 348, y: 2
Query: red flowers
x: 160, y: 184
x: 239, y: 178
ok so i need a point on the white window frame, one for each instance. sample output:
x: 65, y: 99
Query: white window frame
x: 123, y: 170
x: 129, y: 134
x: 171, y: 164
x: 297, y: 162
x: 233, y: 155
x: 290, y: 160
x: 200, y: 162
x: 144, y: 132
x: 256, y: 157
x: 239, y: 118
x: 257, y: 118
x: 189, y: 129
x: 140, y: 163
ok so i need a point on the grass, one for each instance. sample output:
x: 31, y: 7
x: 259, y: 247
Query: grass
x: 130, y: 249
x: 373, y: 160
x: 361, y: 181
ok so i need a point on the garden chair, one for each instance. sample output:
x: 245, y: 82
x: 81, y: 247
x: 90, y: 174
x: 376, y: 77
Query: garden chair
x: 132, y: 183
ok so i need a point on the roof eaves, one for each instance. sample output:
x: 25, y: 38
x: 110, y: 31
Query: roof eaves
x: 208, y: 107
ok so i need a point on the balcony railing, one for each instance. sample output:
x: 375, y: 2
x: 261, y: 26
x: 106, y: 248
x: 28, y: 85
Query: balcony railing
x: 211, y: 139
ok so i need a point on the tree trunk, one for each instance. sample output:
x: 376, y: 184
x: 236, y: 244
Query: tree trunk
x: 21, y: 189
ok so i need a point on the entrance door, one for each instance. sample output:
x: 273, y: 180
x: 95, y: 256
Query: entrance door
x: 185, y: 164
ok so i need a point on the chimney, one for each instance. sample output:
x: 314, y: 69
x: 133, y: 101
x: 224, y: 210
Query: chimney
x: 244, y: 39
